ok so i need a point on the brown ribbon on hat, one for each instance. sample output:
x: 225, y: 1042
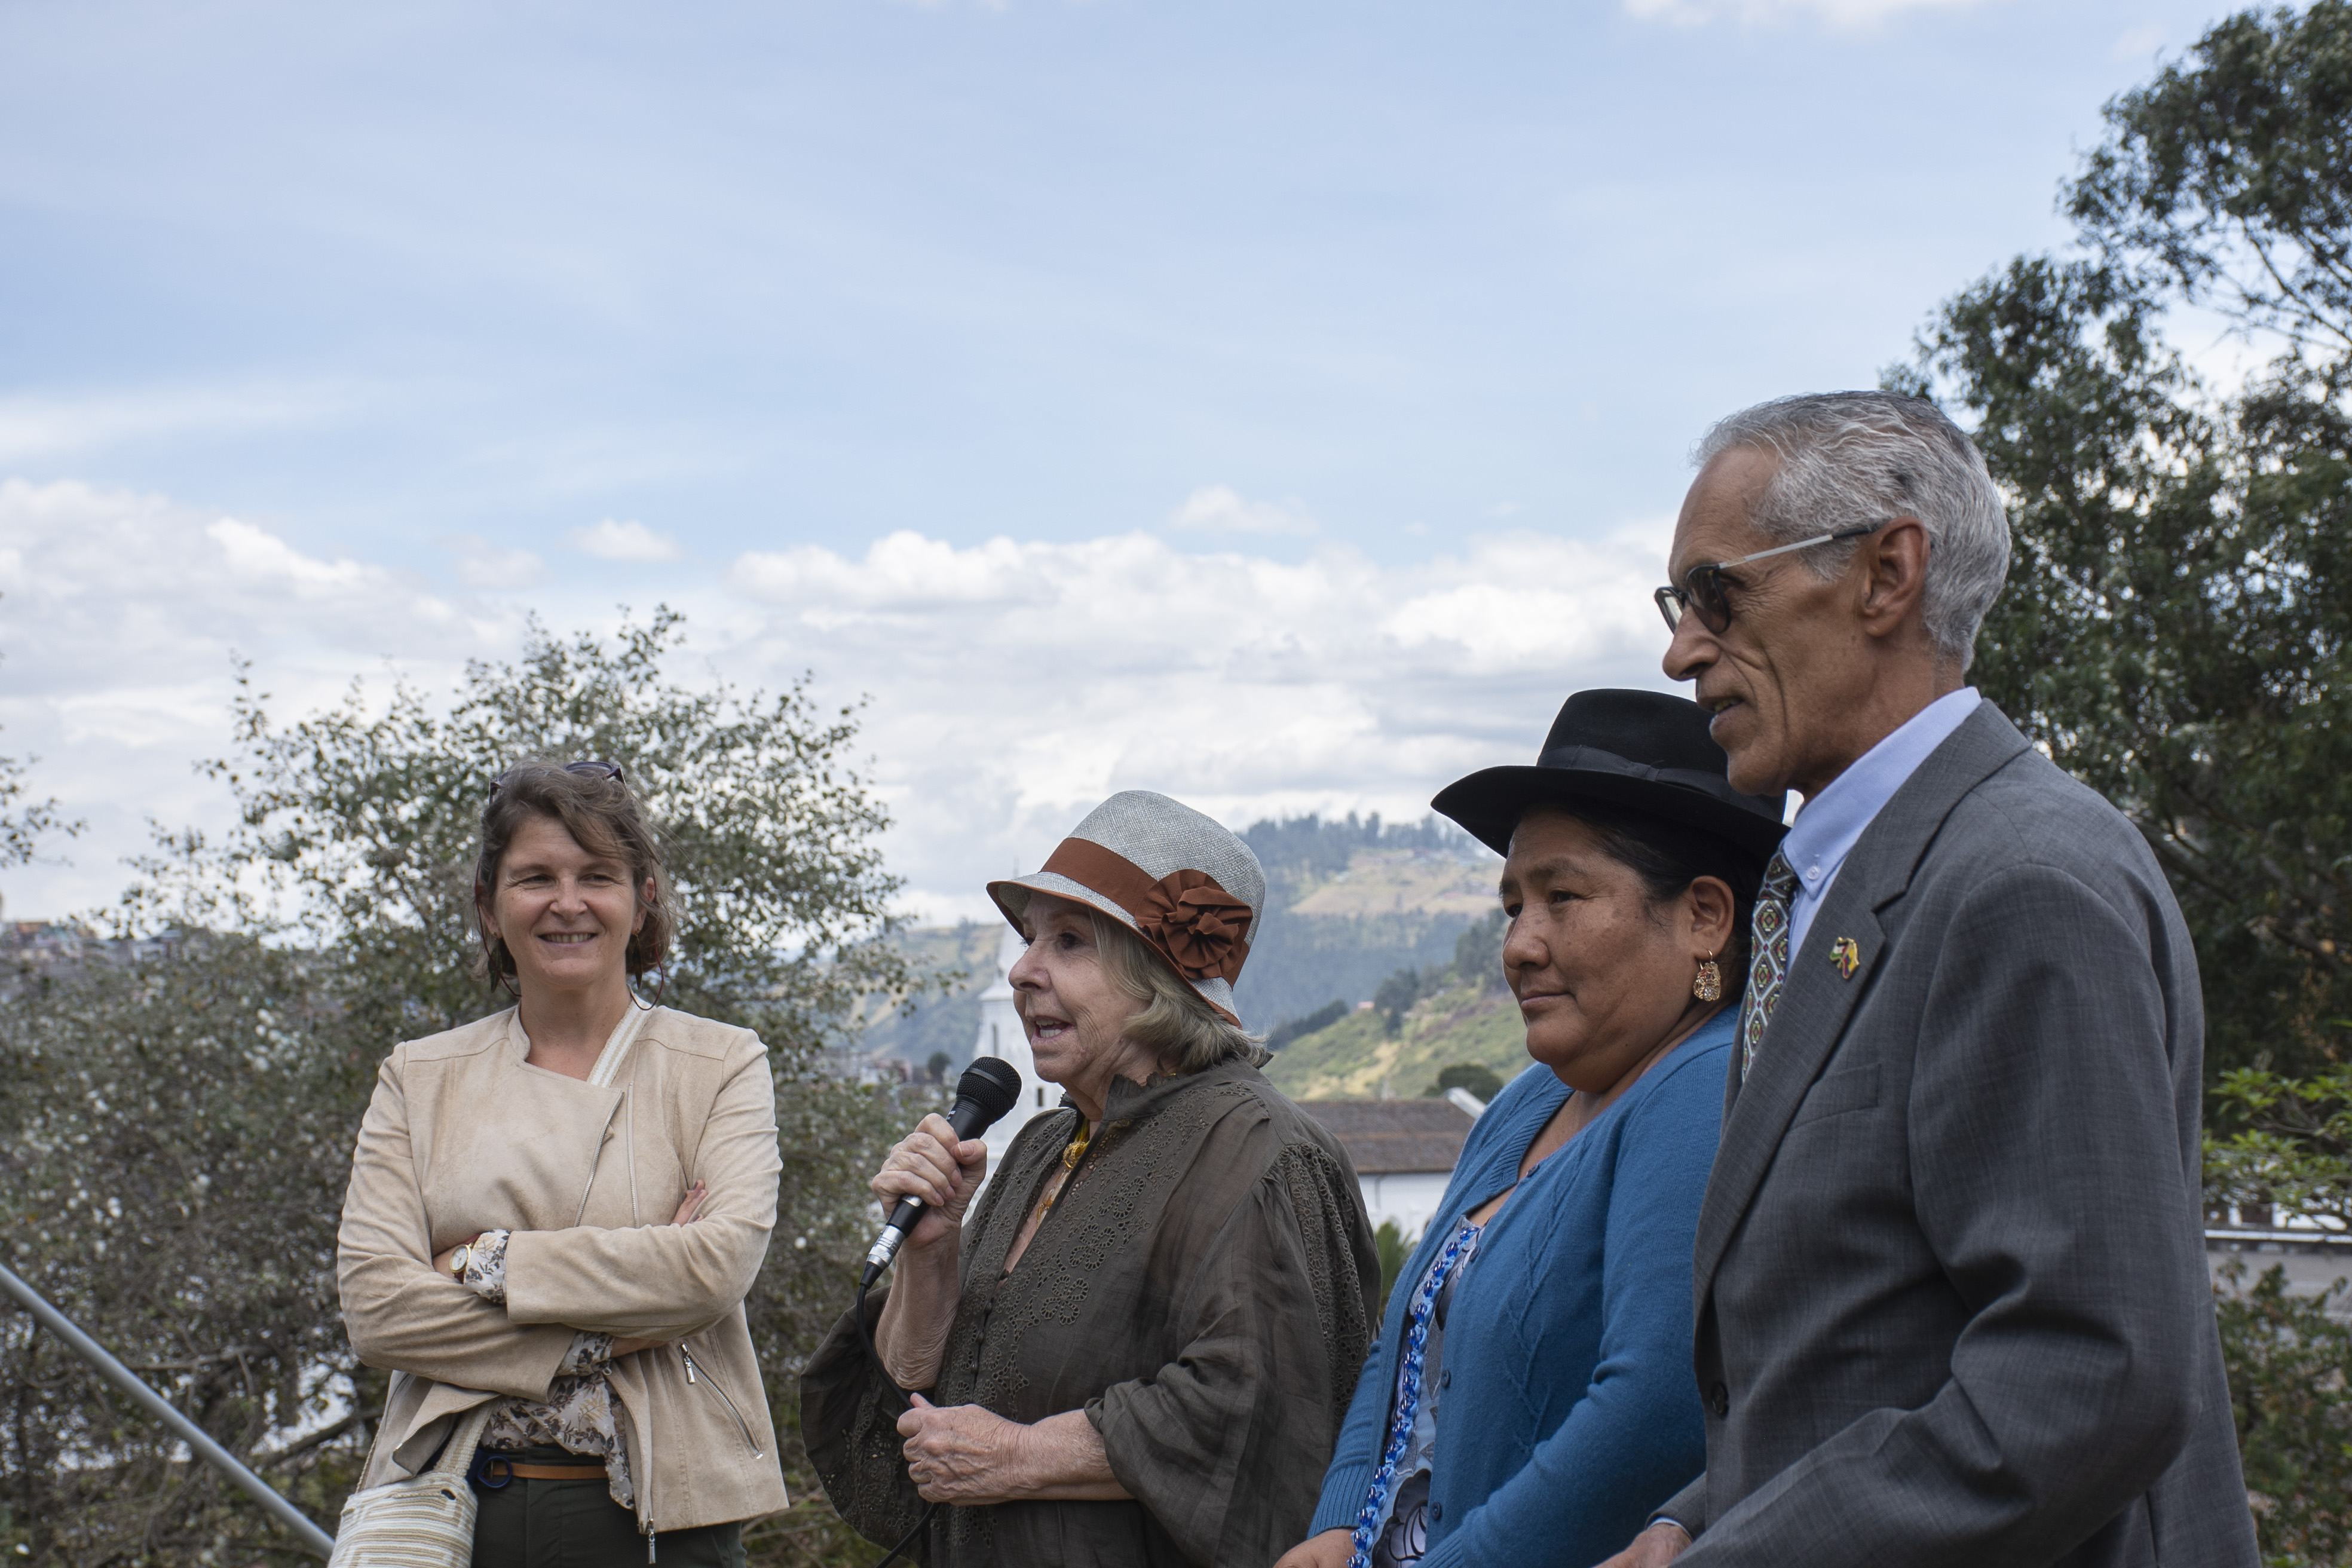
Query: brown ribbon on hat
x: 1188, y: 918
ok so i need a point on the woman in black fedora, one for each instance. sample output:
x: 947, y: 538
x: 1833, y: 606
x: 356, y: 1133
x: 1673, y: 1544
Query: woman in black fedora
x: 1530, y: 1398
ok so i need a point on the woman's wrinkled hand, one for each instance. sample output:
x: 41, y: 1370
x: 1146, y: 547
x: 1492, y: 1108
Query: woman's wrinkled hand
x: 962, y: 1453
x: 1329, y: 1550
x: 929, y: 1163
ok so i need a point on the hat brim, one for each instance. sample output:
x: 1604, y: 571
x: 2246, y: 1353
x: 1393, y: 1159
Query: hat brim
x: 1488, y: 804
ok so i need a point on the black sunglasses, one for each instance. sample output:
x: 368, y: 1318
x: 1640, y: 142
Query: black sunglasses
x: 1705, y: 589
x: 599, y: 769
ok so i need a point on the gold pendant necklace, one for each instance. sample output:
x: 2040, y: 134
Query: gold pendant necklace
x: 1070, y: 1158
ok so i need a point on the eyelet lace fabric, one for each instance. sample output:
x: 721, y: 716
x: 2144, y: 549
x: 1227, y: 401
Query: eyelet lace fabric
x: 1209, y: 1245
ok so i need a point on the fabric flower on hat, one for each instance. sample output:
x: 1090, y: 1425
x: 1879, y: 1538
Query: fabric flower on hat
x: 1202, y: 929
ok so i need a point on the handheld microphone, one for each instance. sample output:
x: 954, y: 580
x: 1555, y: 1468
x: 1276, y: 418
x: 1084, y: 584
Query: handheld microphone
x: 988, y: 1089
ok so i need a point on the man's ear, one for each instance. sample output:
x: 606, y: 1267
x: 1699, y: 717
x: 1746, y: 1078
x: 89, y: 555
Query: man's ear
x: 1894, y: 561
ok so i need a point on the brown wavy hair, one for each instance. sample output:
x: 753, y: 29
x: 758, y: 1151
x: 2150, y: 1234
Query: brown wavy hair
x: 603, y: 816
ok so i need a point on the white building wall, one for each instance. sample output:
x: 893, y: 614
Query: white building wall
x: 1409, y: 1197
x: 1001, y: 1034
x: 1412, y: 1197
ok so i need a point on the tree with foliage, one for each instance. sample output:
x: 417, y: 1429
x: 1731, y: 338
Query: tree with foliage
x: 357, y: 831
x: 1473, y: 1078
x: 2292, y: 1144
x: 2174, y: 630
x: 25, y: 823
x: 211, y: 1091
x: 1478, y: 950
x: 1323, y: 1017
x: 174, y: 1135
x: 2175, y: 627
x: 2289, y: 1359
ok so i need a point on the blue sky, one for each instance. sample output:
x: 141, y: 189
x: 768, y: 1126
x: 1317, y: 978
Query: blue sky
x: 501, y: 308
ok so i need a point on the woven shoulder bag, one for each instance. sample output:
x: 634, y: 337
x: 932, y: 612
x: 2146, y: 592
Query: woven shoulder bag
x: 424, y: 1522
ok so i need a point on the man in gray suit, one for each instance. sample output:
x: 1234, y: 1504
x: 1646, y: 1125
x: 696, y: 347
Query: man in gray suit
x: 1951, y: 1287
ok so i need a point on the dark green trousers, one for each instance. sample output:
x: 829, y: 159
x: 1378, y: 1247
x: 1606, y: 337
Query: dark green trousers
x: 576, y: 1524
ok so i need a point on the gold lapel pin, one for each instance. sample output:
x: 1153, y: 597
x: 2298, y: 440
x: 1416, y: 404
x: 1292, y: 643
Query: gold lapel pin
x: 1847, y: 956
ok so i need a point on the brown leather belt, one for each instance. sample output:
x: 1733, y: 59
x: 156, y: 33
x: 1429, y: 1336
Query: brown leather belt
x: 497, y: 1470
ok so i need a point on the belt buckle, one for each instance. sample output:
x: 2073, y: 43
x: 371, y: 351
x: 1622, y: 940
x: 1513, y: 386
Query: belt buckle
x: 480, y: 1471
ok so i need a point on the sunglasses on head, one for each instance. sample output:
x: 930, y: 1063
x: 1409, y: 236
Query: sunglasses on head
x: 599, y: 769
x: 1706, y: 591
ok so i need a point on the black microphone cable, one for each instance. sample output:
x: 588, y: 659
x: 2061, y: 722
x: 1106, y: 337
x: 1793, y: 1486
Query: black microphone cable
x: 988, y: 1089
x: 866, y: 1335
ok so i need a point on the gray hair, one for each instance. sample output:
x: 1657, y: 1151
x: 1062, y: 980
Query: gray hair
x: 1850, y: 458
x: 1172, y: 1022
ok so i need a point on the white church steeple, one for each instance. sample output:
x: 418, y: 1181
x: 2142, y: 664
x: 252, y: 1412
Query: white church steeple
x: 1001, y: 1034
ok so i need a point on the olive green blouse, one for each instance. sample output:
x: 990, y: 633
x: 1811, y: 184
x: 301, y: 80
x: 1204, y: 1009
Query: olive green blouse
x: 1203, y: 1290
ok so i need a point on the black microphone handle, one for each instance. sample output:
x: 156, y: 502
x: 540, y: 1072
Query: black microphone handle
x: 968, y: 1118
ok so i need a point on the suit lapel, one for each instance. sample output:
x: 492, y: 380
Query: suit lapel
x: 1820, y: 997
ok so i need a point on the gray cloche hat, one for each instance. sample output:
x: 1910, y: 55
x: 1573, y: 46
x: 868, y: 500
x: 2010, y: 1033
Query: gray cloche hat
x: 1183, y: 882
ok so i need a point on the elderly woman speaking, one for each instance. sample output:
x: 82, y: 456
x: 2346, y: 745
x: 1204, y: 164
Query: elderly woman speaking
x: 1139, y: 1347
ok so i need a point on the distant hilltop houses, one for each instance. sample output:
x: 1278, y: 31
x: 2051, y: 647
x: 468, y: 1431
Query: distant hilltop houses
x: 48, y: 947
x: 42, y: 947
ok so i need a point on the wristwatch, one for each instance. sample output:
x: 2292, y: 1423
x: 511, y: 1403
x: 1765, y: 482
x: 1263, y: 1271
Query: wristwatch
x: 458, y: 1260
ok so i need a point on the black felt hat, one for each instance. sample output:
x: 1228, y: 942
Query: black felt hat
x: 1643, y: 750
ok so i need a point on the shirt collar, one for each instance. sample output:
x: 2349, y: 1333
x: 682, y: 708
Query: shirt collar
x: 1828, y: 825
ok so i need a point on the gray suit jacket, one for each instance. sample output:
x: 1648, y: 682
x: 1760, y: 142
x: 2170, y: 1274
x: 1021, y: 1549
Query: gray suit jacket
x: 1951, y: 1302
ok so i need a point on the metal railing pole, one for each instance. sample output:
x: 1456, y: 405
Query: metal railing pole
x: 198, y: 1440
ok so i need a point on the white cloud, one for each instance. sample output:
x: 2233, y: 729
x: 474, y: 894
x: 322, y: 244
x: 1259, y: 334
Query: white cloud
x: 610, y: 541
x: 120, y: 616
x: 1854, y: 14
x: 1218, y: 509
x: 1013, y: 683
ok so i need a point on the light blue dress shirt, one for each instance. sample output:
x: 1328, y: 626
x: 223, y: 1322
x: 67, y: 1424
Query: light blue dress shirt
x: 1828, y: 825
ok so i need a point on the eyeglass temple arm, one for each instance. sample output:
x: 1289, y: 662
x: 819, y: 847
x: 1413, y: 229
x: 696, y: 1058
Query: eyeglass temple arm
x: 1854, y: 533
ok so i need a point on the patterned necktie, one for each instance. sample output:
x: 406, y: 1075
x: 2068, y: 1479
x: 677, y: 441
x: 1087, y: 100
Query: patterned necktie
x: 1768, y: 972
x: 1407, y: 1400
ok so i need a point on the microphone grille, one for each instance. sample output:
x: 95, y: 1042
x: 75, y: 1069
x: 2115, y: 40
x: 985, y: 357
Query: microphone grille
x: 991, y: 1083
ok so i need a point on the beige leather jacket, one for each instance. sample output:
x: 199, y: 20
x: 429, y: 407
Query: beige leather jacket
x: 462, y: 1137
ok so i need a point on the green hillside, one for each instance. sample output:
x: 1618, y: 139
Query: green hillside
x: 1359, y: 1057
x: 940, y: 1022
x: 1419, y: 1022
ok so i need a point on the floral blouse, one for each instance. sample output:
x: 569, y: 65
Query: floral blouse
x: 580, y: 1414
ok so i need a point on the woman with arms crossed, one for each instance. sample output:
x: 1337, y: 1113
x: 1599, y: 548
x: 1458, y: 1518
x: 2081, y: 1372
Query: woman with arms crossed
x: 560, y: 1208
x: 1530, y: 1398
x: 1138, y: 1349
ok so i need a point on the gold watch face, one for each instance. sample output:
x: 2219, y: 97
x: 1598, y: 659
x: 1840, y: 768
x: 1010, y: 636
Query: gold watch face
x: 458, y: 1262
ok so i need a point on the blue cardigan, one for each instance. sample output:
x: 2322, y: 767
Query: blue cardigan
x: 1570, y: 1409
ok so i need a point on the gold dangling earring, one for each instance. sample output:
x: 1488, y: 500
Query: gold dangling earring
x: 1708, y: 986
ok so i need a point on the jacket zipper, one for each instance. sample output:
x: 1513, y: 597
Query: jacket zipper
x: 749, y: 1441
